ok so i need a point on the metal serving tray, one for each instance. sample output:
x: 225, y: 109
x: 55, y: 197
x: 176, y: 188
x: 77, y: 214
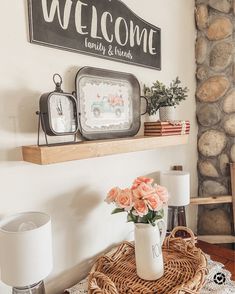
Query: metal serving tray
x: 108, y: 103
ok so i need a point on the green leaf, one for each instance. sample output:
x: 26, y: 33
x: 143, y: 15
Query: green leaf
x: 160, y: 95
x: 117, y: 210
x: 131, y: 217
x: 143, y: 220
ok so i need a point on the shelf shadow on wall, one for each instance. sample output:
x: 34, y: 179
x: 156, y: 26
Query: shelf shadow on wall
x: 18, y: 121
x: 70, y: 213
x: 155, y: 176
x: 74, y: 275
x: 18, y: 111
x: 13, y: 154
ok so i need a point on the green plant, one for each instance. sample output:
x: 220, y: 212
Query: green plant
x: 160, y: 95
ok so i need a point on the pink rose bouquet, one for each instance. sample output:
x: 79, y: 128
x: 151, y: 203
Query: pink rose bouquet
x: 143, y: 202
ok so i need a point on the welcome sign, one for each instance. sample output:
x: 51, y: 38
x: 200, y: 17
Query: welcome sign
x: 103, y: 28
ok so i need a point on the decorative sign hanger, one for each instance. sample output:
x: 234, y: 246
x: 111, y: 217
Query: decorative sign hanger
x: 103, y: 28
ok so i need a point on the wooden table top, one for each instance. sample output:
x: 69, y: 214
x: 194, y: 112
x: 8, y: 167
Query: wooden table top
x: 220, y: 254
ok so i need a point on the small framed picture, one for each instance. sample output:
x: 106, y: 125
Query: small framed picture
x: 109, y: 103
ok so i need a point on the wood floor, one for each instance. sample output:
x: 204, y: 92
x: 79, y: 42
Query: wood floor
x: 220, y: 254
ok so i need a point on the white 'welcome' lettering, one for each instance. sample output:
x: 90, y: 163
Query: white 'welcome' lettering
x: 123, y: 32
x: 49, y: 16
x: 137, y: 37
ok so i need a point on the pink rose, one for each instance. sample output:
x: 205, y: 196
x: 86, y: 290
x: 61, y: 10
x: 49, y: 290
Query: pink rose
x: 143, y: 190
x: 140, y: 180
x: 153, y: 202
x: 137, y: 194
x: 140, y: 207
x: 162, y: 193
x: 125, y: 199
x: 112, y: 194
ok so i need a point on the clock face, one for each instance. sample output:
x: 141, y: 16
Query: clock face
x: 62, y: 113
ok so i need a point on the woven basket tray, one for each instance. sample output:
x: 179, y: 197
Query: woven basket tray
x: 185, y: 269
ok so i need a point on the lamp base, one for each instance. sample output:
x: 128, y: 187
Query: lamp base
x: 176, y: 217
x: 37, y: 288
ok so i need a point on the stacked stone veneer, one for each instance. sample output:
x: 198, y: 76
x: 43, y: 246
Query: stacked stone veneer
x: 215, y: 20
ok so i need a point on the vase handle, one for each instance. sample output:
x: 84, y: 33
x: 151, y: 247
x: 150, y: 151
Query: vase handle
x: 163, y: 228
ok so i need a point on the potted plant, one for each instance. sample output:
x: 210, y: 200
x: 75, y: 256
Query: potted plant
x: 164, y: 98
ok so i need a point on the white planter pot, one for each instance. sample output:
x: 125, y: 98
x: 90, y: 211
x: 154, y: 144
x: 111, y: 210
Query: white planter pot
x: 148, y: 250
x: 167, y: 113
x: 153, y: 117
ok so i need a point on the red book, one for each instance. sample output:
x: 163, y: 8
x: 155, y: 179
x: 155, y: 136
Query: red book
x: 160, y: 128
x: 168, y: 123
x: 166, y: 128
x: 168, y: 131
x: 158, y: 134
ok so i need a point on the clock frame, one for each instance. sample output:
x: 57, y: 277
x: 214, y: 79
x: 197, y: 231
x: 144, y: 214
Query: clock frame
x: 47, y: 111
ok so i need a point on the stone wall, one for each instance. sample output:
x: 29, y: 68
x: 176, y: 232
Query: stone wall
x: 215, y: 108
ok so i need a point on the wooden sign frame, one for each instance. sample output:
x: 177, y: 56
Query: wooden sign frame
x: 101, y: 28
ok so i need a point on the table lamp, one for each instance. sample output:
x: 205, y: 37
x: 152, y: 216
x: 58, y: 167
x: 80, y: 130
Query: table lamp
x: 26, y: 251
x: 178, y: 185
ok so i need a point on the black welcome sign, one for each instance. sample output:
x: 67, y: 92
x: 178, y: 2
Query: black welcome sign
x: 104, y: 28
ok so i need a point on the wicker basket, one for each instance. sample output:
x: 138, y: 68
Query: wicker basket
x: 185, y: 269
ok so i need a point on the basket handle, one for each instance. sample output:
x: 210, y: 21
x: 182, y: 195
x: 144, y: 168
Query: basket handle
x: 181, y: 228
x: 94, y: 287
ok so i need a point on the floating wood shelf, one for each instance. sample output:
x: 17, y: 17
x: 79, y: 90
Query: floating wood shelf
x: 217, y: 239
x: 211, y: 200
x: 87, y: 149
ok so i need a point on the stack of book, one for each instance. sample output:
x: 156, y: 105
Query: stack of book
x: 166, y: 128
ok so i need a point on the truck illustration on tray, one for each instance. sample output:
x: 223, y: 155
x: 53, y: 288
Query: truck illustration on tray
x: 108, y: 104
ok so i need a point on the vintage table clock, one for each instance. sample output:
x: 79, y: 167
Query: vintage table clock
x: 58, y: 112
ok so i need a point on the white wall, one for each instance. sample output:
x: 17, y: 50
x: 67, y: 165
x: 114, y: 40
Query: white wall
x: 72, y: 193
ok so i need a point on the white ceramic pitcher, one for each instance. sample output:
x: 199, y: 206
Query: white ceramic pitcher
x: 148, y: 250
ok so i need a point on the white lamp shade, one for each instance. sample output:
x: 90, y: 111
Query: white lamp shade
x: 178, y: 186
x: 25, y: 248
